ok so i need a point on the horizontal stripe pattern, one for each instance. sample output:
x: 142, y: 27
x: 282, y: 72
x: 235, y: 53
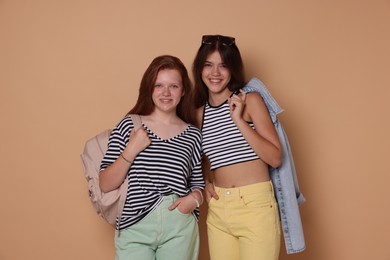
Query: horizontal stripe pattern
x: 171, y: 166
x: 222, y: 142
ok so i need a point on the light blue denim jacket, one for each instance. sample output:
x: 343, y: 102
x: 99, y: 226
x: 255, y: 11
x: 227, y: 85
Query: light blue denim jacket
x: 283, y: 178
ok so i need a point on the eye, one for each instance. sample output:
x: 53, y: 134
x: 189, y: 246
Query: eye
x: 174, y: 86
x: 207, y: 64
x: 158, y: 86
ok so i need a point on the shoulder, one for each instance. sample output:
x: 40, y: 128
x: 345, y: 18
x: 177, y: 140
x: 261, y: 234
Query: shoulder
x: 124, y: 126
x: 254, y: 96
x: 195, y: 130
x: 125, y: 122
x: 255, y: 105
x: 194, y: 133
x: 253, y: 99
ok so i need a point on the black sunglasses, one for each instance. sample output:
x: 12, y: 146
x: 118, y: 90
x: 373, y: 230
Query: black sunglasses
x: 212, y: 39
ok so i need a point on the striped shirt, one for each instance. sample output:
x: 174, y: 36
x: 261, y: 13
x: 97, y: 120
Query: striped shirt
x: 165, y: 167
x: 222, y: 142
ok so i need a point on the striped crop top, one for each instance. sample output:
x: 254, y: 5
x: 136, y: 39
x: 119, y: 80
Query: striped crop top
x: 222, y: 142
x: 165, y: 167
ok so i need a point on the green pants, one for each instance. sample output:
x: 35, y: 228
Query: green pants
x: 162, y: 235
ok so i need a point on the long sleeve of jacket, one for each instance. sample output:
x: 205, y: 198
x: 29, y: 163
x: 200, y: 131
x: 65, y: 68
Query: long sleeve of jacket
x: 284, y: 178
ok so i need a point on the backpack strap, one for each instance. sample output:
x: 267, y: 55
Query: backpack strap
x: 136, y: 121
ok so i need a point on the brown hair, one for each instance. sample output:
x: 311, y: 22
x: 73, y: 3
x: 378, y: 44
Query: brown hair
x: 145, y: 105
x: 230, y: 55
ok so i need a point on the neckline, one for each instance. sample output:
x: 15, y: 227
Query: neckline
x: 224, y: 102
x: 166, y: 139
x: 217, y: 106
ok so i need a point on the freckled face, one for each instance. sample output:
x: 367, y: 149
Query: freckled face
x: 215, y: 74
x: 168, y: 90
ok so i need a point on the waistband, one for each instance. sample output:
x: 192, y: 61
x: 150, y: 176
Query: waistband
x: 265, y: 186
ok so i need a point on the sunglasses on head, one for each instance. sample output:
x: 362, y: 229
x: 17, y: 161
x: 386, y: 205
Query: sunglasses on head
x: 212, y: 39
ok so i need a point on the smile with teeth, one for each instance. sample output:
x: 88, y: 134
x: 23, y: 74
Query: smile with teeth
x: 166, y: 100
x: 215, y: 81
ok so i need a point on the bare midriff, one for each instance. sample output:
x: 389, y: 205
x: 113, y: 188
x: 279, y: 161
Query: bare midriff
x: 241, y: 174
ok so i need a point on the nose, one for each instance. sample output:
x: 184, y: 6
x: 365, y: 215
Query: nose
x: 215, y: 71
x: 166, y: 91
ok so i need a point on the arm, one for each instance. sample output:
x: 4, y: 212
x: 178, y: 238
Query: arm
x: 208, y: 178
x: 195, y: 182
x: 207, y: 173
x: 264, y: 141
x: 113, y: 176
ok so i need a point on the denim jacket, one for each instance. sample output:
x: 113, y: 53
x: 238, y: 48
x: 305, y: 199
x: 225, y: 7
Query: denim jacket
x: 284, y: 177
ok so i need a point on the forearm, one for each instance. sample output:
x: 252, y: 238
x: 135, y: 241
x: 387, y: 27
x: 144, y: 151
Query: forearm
x: 114, y: 175
x: 208, y: 176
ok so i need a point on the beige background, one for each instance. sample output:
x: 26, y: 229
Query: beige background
x: 69, y: 69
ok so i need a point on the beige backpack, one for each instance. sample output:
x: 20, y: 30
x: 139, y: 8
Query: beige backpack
x: 108, y: 205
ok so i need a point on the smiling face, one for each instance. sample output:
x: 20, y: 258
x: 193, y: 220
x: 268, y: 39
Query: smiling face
x: 168, y: 90
x: 216, y: 75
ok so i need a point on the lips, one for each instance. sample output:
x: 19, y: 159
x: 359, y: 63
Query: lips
x: 166, y: 100
x: 215, y: 81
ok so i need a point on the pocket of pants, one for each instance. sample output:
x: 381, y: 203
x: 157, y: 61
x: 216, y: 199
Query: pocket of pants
x: 277, y: 218
x: 181, y: 213
x: 257, y: 200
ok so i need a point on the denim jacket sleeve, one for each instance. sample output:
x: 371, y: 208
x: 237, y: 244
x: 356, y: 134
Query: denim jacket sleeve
x: 283, y: 178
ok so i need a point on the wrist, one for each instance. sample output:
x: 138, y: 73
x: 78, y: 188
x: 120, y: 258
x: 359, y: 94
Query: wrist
x: 128, y: 156
x: 209, y: 183
x: 195, y: 200
x: 126, y: 159
x: 199, y: 195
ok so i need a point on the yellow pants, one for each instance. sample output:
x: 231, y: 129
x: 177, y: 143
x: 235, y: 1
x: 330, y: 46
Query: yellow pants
x: 244, y: 223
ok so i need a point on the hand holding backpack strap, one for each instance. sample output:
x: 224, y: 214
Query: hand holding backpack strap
x: 108, y: 205
x: 123, y: 189
x: 137, y: 124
